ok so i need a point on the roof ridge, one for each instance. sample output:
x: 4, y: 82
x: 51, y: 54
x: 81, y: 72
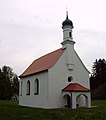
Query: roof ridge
x: 47, y: 54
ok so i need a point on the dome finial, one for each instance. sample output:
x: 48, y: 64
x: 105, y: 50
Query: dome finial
x: 67, y: 14
x: 67, y: 21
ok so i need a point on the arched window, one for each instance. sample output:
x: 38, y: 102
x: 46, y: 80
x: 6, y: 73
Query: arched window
x: 28, y: 88
x: 21, y: 87
x: 36, y: 87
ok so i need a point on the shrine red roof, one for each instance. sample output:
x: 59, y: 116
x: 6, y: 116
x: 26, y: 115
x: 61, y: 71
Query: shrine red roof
x: 43, y: 63
x: 75, y: 87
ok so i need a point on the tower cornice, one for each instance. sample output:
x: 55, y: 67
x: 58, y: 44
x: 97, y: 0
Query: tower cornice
x: 68, y: 42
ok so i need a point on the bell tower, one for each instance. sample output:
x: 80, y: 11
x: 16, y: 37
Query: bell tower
x: 67, y: 27
x: 68, y: 42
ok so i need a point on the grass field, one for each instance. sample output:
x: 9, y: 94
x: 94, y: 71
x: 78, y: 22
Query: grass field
x: 9, y: 110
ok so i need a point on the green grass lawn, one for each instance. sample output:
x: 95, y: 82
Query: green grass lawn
x: 9, y: 110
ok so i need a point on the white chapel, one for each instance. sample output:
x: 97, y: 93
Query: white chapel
x: 58, y: 79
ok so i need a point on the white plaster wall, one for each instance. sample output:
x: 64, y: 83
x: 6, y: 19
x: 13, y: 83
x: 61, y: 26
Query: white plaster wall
x: 81, y: 74
x: 57, y: 81
x: 40, y: 100
x: 59, y: 73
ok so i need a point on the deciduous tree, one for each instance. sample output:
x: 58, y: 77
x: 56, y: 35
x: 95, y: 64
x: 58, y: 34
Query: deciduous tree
x: 8, y: 82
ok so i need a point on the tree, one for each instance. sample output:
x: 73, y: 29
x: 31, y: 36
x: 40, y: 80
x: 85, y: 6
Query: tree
x: 15, y: 84
x: 98, y: 76
x: 8, y: 83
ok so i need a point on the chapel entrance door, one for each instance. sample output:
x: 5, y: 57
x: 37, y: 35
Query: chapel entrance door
x: 69, y: 102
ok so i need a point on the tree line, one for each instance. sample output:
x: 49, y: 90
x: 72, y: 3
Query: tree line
x: 9, y: 83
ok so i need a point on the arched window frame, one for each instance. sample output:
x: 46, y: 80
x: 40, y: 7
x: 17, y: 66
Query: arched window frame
x: 36, y: 86
x: 28, y: 88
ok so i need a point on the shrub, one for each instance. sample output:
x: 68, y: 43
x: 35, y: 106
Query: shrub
x: 100, y: 92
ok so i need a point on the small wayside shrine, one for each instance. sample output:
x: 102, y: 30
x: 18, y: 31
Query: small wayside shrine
x: 58, y: 79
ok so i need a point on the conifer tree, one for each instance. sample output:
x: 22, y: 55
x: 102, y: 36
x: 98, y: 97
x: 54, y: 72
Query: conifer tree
x: 98, y: 76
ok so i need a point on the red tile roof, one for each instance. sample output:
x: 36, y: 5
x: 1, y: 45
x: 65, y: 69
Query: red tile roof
x: 43, y: 63
x: 75, y: 87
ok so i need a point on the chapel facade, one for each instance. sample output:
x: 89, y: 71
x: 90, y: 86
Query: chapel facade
x: 58, y: 79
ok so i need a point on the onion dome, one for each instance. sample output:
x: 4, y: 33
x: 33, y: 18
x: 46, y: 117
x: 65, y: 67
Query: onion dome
x: 67, y: 22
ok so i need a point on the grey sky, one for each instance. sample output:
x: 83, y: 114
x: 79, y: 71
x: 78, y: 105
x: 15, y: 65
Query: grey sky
x: 32, y: 28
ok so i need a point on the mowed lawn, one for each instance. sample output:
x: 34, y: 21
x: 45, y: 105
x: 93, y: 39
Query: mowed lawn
x: 10, y: 110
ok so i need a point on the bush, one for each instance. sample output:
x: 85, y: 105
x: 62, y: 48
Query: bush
x: 100, y: 92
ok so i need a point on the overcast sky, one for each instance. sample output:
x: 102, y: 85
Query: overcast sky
x: 32, y: 28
